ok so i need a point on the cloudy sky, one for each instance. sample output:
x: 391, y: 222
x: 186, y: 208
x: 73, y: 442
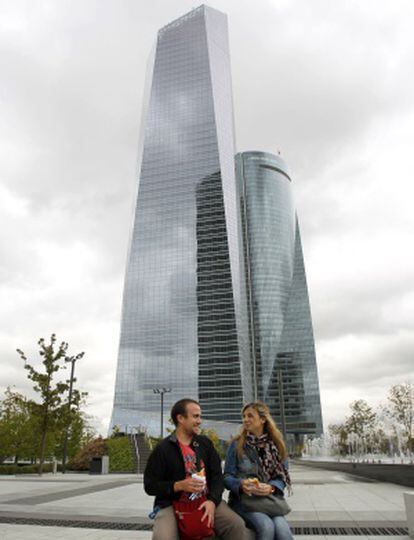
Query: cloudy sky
x: 329, y: 84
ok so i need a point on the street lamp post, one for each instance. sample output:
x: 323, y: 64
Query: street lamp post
x: 281, y: 402
x: 72, y: 360
x: 161, y: 392
x: 284, y: 369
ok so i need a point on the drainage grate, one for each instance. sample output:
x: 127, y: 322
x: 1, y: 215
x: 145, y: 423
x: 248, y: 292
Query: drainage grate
x: 77, y: 524
x: 350, y: 531
x: 113, y: 525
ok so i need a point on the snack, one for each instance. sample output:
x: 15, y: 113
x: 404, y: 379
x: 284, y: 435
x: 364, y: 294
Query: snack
x: 254, y: 481
x: 200, y: 475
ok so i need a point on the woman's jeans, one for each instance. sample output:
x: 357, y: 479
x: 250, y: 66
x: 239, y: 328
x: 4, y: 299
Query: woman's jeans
x: 265, y: 527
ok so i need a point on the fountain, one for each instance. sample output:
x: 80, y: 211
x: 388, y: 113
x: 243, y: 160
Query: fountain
x: 359, y: 449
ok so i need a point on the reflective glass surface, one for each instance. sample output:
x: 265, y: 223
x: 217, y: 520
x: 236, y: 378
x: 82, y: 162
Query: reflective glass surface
x: 280, y: 329
x: 184, y: 323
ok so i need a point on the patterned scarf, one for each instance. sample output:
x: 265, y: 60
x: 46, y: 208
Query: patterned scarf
x: 269, y: 456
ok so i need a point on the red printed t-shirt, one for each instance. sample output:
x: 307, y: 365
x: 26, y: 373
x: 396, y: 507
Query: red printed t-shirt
x: 190, y: 465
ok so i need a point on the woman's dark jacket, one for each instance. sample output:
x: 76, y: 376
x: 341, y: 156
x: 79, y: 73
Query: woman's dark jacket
x: 166, y: 466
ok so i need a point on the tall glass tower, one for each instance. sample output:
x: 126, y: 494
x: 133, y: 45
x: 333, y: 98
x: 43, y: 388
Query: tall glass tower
x: 184, y: 320
x: 280, y: 324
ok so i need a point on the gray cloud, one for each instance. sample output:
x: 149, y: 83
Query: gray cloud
x: 329, y: 84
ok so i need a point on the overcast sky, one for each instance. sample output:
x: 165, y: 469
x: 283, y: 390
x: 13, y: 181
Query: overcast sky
x: 328, y: 83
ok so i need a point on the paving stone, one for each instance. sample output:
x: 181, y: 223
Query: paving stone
x: 322, y: 500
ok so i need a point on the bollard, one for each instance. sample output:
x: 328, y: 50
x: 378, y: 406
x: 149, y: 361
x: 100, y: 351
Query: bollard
x: 409, y: 510
x: 54, y: 466
x: 105, y: 465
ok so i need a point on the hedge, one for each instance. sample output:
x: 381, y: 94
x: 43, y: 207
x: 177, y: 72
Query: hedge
x: 27, y: 469
x: 120, y: 455
x: 118, y: 449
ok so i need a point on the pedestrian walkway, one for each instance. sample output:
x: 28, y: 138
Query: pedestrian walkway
x: 115, y: 507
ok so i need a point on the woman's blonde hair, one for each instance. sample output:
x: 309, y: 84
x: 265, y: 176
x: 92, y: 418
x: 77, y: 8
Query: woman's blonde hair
x: 268, y: 427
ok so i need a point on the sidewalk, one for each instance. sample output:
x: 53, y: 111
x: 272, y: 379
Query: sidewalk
x: 324, y: 504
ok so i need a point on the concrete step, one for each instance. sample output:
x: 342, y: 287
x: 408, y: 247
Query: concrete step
x: 143, y: 449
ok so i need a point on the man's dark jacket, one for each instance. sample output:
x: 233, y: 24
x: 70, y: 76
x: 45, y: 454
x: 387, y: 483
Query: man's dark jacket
x: 166, y: 466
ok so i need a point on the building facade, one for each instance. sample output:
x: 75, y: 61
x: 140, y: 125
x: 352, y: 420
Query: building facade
x: 184, y: 319
x: 280, y: 324
x: 215, y: 302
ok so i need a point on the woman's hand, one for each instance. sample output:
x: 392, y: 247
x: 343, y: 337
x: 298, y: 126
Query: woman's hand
x: 247, y: 487
x: 255, y: 488
x: 262, y: 490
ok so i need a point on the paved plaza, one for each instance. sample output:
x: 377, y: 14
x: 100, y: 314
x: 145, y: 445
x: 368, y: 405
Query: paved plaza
x: 115, y: 507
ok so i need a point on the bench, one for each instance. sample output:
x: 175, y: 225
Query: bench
x: 409, y: 510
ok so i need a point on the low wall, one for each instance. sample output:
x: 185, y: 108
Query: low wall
x: 384, y: 472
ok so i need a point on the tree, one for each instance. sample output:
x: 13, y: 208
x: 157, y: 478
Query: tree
x: 363, y: 419
x: 340, y: 434
x: 80, y: 432
x: 72, y: 416
x: 49, y: 410
x: 17, y: 427
x: 401, y: 409
x: 214, y: 438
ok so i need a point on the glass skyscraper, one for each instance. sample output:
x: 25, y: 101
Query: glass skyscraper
x: 184, y: 319
x: 280, y: 324
x: 215, y: 300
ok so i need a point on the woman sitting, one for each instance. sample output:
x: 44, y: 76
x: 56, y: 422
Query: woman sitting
x: 256, y: 464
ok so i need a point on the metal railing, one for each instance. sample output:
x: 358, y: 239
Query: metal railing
x: 133, y: 434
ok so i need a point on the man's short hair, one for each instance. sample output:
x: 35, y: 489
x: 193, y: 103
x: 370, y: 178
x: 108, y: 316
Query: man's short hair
x: 181, y: 408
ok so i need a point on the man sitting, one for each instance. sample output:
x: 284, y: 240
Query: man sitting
x: 168, y: 476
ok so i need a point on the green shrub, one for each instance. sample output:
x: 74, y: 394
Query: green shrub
x: 81, y: 461
x: 152, y: 441
x: 27, y: 469
x: 32, y: 469
x: 117, y: 448
x: 8, y: 469
x: 120, y: 455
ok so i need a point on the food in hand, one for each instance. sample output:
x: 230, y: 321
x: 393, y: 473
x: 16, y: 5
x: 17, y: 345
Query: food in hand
x: 200, y: 475
x: 254, y: 481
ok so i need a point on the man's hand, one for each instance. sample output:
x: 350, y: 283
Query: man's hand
x: 190, y: 485
x: 209, y: 508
